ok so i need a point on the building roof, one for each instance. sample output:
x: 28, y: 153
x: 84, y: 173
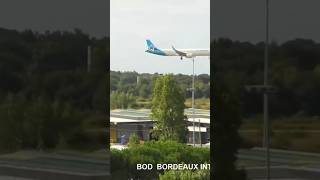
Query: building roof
x: 127, y: 120
x: 196, y: 129
x: 143, y: 115
x: 202, y: 120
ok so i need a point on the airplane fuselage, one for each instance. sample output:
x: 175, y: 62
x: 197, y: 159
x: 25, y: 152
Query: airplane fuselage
x: 194, y: 52
x: 188, y: 53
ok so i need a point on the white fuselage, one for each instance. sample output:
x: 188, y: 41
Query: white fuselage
x: 191, y: 52
x: 188, y: 53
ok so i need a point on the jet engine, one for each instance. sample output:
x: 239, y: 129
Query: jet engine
x: 189, y: 55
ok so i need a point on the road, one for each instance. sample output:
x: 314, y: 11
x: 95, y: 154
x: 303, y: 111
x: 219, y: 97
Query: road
x: 27, y: 165
x: 284, y: 164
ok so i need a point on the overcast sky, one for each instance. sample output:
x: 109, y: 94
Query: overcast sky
x: 92, y: 16
x: 244, y: 20
x: 182, y: 23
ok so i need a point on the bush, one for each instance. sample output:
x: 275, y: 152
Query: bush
x: 186, y: 175
x: 119, y: 162
x: 133, y: 139
x: 40, y: 124
x: 155, y: 152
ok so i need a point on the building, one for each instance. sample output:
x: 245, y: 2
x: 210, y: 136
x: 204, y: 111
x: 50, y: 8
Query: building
x: 123, y: 123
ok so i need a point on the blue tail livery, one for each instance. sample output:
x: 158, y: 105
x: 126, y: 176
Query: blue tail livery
x: 150, y: 44
x: 153, y: 49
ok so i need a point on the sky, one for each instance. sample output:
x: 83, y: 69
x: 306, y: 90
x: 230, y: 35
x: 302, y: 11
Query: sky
x: 244, y: 20
x: 182, y: 23
x: 91, y: 16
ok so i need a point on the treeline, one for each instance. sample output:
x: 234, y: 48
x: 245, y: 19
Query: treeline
x: 127, y: 87
x: 47, y: 97
x: 294, y: 70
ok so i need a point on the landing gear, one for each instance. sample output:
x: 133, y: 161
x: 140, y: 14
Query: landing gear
x: 181, y: 58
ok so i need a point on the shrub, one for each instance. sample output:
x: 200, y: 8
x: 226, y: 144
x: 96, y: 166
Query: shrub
x: 155, y: 152
x: 185, y: 175
x: 133, y: 139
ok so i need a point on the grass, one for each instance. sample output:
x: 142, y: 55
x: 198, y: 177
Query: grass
x: 143, y: 103
x: 200, y: 103
x: 291, y: 133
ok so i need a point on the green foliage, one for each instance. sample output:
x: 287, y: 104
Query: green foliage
x: 226, y: 124
x: 141, y: 85
x: 293, y: 71
x: 168, y: 110
x: 185, y: 175
x: 46, y: 95
x: 294, y: 67
x: 119, y: 165
x: 36, y: 124
x: 121, y: 100
x: 133, y: 139
x: 154, y: 152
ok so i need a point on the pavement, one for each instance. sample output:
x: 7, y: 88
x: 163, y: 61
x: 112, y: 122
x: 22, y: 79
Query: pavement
x: 26, y: 165
x: 118, y: 146
x: 31, y: 165
x: 13, y: 178
x: 284, y: 164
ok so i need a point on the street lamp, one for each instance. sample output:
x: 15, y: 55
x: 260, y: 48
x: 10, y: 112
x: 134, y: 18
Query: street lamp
x: 265, y: 94
x: 194, y: 128
x: 192, y: 89
x: 265, y: 89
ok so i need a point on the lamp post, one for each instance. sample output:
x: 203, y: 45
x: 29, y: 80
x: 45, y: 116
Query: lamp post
x: 265, y: 95
x: 89, y: 60
x: 194, y: 128
x: 200, y: 141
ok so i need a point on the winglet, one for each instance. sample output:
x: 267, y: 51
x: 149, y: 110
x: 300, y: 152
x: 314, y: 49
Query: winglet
x: 174, y: 48
x: 179, y: 52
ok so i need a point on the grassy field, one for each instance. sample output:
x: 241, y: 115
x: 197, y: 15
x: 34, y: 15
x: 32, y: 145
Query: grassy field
x: 143, y: 103
x: 295, y: 133
x: 201, y: 103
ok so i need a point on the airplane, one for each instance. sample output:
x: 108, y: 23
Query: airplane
x: 183, y: 53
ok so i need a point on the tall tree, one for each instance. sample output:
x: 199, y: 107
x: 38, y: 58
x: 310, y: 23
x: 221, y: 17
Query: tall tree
x: 168, y: 109
x: 226, y: 121
x: 226, y: 142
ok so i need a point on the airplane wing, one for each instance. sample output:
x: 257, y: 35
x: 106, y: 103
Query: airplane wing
x: 180, y: 53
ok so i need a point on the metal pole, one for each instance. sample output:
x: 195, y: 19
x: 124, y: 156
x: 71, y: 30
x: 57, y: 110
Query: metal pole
x: 194, y: 129
x: 89, y: 59
x: 200, y: 133
x: 265, y: 95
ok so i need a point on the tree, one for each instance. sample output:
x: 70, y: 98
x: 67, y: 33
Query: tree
x: 168, y: 110
x: 11, y: 121
x: 46, y: 95
x: 121, y: 100
x: 226, y: 124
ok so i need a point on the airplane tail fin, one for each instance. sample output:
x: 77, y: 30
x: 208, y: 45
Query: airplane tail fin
x: 150, y: 44
x: 153, y: 49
